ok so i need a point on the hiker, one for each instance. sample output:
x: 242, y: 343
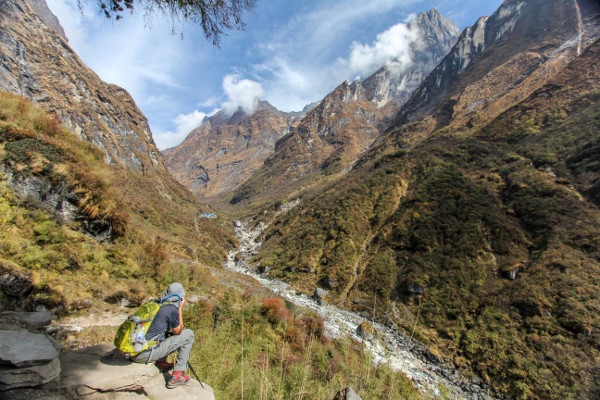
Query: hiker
x: 167, y: 328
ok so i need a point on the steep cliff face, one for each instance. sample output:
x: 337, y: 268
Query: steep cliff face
x: 37, y: 63
x: 393, y: 86
x: 224, y: 151
x: 501, y: 59
x: 348, y: 120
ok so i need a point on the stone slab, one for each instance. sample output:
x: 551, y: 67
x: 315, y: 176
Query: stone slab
x: 26, y: 320
x: 23, y: 348
x: 11, y: 377
x: 98, y: 373
x: 93, y: 366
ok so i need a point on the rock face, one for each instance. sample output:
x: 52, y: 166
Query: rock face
x: 222, y: 153
x: 37, y: 63
x: 436, y: 36
x: 58, y: 200
x: 95, y: 372
x: 348, y: 120
x: 501, y: 59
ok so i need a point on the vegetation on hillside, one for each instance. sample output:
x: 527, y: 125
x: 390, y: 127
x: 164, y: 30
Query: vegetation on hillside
x: 266, y: 349
x: 249, y: 345
x: 147, y: 228
x: 491, y: 236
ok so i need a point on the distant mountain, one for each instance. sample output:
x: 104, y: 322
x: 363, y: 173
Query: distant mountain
x: 226, y: 149
x: 349, y: 119
x: 38, y: 64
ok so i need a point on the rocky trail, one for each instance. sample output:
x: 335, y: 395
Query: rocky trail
x: 402, y: 353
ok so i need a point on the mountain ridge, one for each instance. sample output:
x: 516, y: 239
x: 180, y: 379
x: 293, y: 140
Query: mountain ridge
x: 224, y: 151
x: 349, y: 119
x: 513, y: 28
x: 479, y: 231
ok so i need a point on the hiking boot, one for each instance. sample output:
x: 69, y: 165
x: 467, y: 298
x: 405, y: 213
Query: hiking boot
x: 164, y: 366
x: 177, y: 379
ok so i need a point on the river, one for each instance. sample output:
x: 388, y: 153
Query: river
x: 398, y: 350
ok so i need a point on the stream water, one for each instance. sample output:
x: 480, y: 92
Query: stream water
x: 398, y: 350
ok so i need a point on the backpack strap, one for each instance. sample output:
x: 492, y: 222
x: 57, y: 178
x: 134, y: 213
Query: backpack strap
x: 168, y: 297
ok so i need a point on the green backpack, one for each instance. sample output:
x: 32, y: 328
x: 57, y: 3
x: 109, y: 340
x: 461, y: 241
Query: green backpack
x: 131, y: 335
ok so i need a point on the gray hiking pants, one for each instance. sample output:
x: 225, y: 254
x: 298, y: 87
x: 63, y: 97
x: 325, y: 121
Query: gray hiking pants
x: 181, y: 343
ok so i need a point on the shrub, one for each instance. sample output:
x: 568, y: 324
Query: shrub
x: 275, y: 311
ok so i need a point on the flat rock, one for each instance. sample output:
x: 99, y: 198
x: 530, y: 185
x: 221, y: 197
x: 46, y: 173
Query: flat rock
x: 23, y: 349
x: 26, y: 320
x: 98, y: 372
x: 12, y: 377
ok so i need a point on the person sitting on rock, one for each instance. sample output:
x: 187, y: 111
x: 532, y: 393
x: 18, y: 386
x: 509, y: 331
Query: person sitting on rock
x: 168, y: 320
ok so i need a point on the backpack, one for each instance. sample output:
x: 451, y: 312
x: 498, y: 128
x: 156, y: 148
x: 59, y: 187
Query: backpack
x: 131, y: 335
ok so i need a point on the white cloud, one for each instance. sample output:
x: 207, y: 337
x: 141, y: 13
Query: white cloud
x: 126, y: 52
x: 184, y: 124
x: 211, y: 102
x: 242, y: 93
x: 296, y: 65
x: 392, y: 48
x: 292, y: 84
x: 71, y: 19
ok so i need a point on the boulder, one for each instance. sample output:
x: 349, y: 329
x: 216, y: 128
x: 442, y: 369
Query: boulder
x: 25, y: 349
x: 347, y: 394
x: 263, y: 269
x: 415, y: 288
x: 99, y: 372
x: 15, y: 284
x: 319, y: 295
x: 329, y: 283
x: 434, y: 356
x: 367, y: 331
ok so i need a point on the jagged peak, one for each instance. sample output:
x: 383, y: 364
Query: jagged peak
x: 433, y: 22
x: 394, y: 82
x: 550, y: 28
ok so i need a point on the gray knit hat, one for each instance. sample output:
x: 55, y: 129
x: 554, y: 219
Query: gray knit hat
x: 174, y: 289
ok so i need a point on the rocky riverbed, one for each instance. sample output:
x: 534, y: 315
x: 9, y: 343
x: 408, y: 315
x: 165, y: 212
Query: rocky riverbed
x: 396, y: 349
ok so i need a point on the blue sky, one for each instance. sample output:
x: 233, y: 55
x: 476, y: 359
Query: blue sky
x: 292, y: 53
